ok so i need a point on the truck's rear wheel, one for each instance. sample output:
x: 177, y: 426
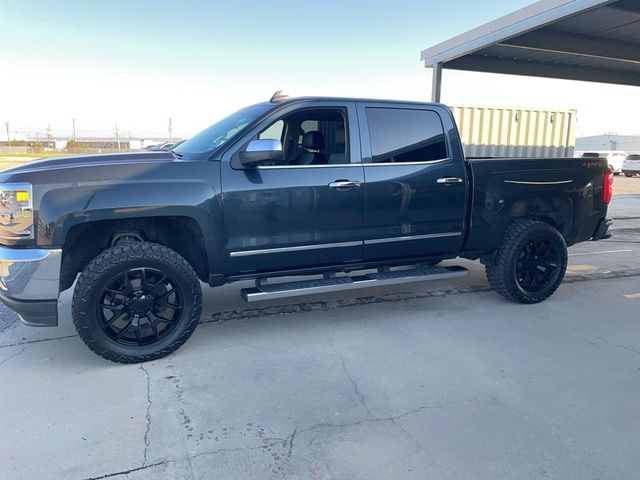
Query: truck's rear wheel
x: 136, y: 302
x: 530, y: 263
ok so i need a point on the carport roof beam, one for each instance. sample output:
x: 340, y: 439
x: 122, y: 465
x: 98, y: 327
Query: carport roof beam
x: 590, y: 40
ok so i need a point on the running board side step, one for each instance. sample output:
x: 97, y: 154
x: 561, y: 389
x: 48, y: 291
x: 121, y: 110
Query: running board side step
x: 265, y: 291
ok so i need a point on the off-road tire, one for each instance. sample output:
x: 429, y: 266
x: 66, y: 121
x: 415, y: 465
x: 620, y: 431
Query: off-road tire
x: 501, y: 271
x: 97, y: 273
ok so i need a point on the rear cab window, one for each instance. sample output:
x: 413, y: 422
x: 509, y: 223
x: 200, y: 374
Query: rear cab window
x: 405, y: 135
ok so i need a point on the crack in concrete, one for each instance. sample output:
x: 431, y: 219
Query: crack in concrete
x: 125, y: 472
x: 28, y: 342
x: 289, y: 440
x: 414, y: 440
x: 374, y: 419
x: 13, y: 356
x: 356, y: 389
x: 147, y: 439
x: 619, y: 345
x: 393, y: 420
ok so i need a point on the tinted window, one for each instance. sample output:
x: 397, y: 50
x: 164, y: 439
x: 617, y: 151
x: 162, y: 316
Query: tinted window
x: 633, y: 157
x: 403, y: 135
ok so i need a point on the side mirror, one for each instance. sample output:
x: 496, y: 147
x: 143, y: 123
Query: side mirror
x: 261, y: 151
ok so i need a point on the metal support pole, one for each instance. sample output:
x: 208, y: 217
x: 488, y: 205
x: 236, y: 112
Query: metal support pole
x: 436, y: 83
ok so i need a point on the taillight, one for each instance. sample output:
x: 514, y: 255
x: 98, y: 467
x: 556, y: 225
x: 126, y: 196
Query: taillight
x: 607, y: 188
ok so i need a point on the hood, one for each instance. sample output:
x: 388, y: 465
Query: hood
x: 90, y: 160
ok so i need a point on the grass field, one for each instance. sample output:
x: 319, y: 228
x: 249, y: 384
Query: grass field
x: 32, y: 156
x: 8, y: 160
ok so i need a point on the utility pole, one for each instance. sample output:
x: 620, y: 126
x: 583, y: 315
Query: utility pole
x: 6, y: 124
x: 170, y: 130
x: 118, y: 137
x: 73, y: 121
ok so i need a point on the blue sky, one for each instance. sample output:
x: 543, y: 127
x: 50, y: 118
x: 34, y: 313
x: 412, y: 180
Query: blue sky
x: 139, y: 62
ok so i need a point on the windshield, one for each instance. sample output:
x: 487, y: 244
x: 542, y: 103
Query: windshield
x: 218, y: 133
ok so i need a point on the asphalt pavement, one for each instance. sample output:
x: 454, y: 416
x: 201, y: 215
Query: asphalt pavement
x: 438, y: 380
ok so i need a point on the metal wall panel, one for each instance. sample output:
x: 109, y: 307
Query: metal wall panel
x: 515, y: 132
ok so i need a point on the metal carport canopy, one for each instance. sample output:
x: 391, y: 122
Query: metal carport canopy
x: 589, y: 40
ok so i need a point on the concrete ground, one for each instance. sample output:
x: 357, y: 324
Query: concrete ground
x: 438, y: 380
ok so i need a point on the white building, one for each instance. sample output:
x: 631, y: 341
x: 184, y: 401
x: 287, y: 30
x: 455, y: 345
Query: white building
x: 626, y: 143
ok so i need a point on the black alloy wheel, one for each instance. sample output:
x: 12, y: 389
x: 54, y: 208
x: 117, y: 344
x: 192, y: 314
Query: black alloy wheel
x: 530, y: 263
x: 537, y: 265
x: 140, y: 306
x: 136, y: 302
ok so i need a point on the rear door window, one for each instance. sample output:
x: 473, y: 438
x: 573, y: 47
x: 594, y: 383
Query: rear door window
x: 405, y: 135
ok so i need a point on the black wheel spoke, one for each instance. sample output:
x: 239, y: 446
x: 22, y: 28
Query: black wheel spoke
x: 115, y: 318
x: 166, y: 320
x: 114, y: 308
x: 153, y: 322
x: 114, y: 292
x: 159, y: 282
x: 136, y: 298
x: 166, y: 294
x: 138, y: 333
x: 536, y: 264
x: 124, y: 329
x: 127, y: 283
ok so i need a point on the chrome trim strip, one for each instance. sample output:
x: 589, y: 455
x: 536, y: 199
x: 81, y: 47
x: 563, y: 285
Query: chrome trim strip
x: 299, y: 248
x: 342, y: 165
x: 523, y: 182
x: 332, y: 165
x: 412, y: 237
x: 428, y: 162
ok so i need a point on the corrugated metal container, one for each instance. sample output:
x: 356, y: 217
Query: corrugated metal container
x: 515, y: 132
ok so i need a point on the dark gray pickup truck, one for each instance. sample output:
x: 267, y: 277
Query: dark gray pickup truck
x: 347, y: 192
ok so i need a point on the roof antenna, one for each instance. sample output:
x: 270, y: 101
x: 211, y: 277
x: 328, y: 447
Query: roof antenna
x: 278, y: 97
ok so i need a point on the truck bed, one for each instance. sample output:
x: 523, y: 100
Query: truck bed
x: 563, y: 190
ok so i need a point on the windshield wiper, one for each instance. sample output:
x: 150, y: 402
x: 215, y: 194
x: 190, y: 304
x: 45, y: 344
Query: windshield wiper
x: 176, y: 154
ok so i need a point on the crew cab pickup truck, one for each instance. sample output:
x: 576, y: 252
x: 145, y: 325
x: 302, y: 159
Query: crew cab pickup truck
x: 345, y: 192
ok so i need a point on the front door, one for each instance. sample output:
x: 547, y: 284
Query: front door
x: 305, y: 210
x: 416, y: 190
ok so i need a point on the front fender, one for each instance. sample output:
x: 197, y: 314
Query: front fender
x: 193, y: 192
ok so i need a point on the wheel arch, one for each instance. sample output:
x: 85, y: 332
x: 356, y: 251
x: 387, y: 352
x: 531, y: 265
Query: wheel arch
x: 555, y: 211
x: 86, y: 240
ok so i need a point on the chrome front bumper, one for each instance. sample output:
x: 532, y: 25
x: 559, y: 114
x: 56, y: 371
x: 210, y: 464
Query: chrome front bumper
x: 30, y: 283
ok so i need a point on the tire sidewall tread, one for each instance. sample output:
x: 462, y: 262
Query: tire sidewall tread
x: 501, y: 272
x: 101, y: 269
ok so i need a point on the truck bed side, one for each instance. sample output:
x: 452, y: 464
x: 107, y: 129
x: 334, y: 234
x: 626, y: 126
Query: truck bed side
x: 565, y: 192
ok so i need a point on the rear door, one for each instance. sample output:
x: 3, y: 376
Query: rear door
x: 416, y: 189
x: 306, y: 210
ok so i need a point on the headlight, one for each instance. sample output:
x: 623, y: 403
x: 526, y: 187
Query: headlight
x: 16, y: 211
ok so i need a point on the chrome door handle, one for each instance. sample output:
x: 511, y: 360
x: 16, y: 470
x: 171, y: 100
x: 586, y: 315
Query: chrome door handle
x: 449, y: 180
x: 344, y: 184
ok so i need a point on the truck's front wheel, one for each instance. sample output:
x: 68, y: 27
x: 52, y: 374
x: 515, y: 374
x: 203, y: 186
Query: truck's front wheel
x: 530, y: 263
x: 136, y: 302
